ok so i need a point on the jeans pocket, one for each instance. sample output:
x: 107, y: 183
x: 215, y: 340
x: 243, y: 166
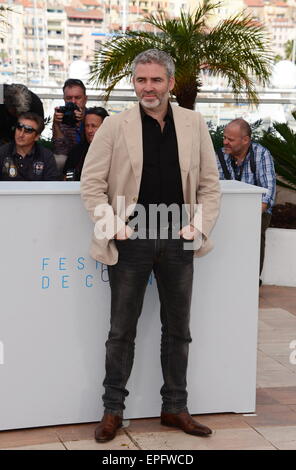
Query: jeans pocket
x: 121, y: 239
x: 187, y: 246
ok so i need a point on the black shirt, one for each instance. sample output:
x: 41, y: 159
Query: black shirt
x: 39, y: 165
x: 161, y: 176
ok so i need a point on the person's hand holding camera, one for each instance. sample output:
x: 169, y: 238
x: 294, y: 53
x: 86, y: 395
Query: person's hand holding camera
x: 79, y: 114
x: 57, y: 120
x: 70, y: 115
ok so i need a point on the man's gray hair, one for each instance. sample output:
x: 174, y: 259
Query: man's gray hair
x: 155, y: 56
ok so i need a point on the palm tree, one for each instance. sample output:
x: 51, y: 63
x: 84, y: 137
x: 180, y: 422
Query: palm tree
x: 235, y: 49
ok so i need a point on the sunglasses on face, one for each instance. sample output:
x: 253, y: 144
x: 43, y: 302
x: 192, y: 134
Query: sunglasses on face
x: 27, y: 129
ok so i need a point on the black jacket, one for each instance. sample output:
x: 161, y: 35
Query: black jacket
x: 40, y: 165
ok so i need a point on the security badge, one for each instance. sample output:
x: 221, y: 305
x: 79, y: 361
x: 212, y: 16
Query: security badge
x: 12, y: 172
x: 9, y: 168
x: 38, y: 168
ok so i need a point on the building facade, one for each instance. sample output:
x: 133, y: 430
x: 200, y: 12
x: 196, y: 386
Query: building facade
x: 43, y: 37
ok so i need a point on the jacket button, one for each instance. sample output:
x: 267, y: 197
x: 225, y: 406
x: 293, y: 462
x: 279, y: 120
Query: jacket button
x: 135, y: 199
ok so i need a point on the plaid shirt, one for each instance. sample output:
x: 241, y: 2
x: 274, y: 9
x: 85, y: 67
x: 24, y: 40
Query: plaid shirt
x: 265, y: 173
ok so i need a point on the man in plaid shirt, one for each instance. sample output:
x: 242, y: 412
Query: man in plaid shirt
x: 243, y: 160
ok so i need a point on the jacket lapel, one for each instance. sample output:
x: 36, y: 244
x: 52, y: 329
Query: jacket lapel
x: 132, y: 128
x: 183, y: 126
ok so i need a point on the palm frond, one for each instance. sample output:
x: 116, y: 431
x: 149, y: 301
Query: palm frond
x: 286, y: 185
x: 115, y: 58
x: 281, y: 142
x: 287, y: 134
x: 244, y: 56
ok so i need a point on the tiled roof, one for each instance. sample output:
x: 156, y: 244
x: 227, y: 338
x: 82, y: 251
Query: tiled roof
x: 91, y: 3
x: 281, y: 4
x: 254, y: 3
x: 84, y: 14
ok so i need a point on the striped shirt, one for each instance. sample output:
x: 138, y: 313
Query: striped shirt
x: 265, y: 173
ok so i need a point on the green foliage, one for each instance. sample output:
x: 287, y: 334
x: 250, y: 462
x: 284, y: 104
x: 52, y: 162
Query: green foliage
x: 236, y: 49
x: 288, y: 46
x: 281, y: 142
x: 277, y: 58
x: 216, y: 134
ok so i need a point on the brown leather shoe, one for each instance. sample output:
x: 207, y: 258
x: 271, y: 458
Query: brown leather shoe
x: 106, y: 430
x: 185, y: 422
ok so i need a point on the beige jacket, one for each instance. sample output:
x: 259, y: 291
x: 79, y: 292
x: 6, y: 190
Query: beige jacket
x: 113, y: 167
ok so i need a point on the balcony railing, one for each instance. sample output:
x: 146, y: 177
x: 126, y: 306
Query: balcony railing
x: 217, y: 105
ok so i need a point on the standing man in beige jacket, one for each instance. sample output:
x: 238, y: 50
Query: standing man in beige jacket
x: 151, y: 159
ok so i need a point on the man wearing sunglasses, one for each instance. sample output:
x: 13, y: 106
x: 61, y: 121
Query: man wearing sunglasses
x: 17, y: 99
x: 68, y: 132
x: 25, y: 159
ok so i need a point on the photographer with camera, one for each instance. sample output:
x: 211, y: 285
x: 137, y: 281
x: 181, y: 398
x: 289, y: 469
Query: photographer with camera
x: 94, y: 117
x: 68, y: 127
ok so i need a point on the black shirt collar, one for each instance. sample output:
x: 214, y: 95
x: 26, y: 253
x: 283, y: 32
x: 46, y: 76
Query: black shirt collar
x: 169, y: 114
x: 29, y: 155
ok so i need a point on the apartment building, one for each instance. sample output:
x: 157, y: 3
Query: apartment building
x: 279, y: 19
x: 11, y: 42
x: 82, y: 26
x: 57, y: 28
x: 45, y: 36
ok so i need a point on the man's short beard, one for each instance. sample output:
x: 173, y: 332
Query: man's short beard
x: 150, y: 105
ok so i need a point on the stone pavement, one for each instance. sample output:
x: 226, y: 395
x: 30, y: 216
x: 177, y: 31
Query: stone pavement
x: 273, y: 426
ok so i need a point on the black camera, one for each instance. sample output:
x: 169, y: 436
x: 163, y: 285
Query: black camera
x: 69, y: 117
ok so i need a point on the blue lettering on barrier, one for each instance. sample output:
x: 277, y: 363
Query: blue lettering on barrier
x: 64, y: 281
x: 98, y: 264
x: 89, y: 276
x: 104, y: 273
x: 43, y: 263
x: 81, y: 264
x: 45, y: 282
x: 61, y: 263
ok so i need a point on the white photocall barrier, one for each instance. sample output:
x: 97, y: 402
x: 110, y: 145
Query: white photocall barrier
x: 55, y: 304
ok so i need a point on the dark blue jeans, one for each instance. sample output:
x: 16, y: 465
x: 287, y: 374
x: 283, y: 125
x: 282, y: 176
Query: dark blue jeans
x: 173, y: 269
